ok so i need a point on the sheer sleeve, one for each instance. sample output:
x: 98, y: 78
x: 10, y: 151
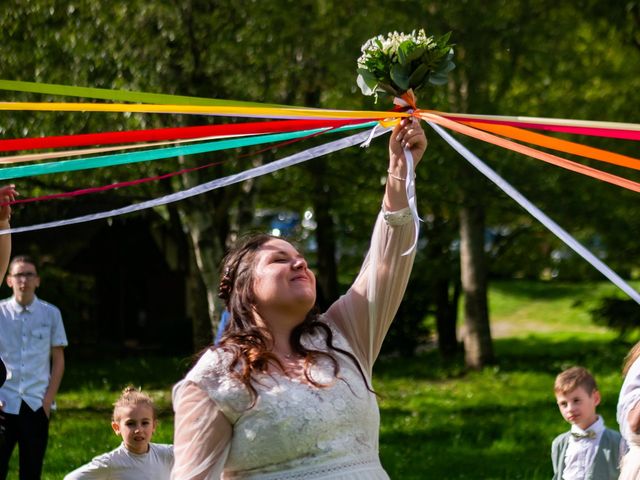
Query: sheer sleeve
x: 365, y: 312
x: 202, y: 434
x: 629, y: 397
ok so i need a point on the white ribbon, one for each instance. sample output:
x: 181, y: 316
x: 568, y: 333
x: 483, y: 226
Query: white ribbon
x: 410, y: 187
x: 372, y: 135
x: 295, y: 159
x: 538, y: 214
x: 410, y: 184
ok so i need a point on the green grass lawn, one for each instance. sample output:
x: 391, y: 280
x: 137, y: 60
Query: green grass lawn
x: 438, y: 421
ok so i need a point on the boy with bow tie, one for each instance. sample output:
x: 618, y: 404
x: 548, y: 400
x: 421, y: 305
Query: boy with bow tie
x: 589, y: 450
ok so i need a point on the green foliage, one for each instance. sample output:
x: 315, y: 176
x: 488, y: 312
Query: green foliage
x: 519, y: 307
x: 621, y: 315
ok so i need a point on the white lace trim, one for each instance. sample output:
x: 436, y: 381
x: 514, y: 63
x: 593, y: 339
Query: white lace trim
x: 399, y: 217
x: 364, y: 464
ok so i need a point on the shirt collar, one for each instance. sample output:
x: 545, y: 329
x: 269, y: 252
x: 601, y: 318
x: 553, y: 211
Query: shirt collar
x: 20, y: 308
x: 597, y: 427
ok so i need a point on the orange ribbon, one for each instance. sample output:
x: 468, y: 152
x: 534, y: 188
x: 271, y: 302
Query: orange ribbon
x: 558, y: 144
x: 531, y: 152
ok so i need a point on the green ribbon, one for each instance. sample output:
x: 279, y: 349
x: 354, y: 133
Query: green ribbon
x: 120, y: 95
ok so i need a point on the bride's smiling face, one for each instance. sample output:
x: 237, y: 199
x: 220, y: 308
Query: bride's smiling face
x: 282, y: 279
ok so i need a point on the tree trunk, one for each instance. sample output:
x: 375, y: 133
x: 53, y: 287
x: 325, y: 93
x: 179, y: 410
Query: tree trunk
x: 326, y: 239
x: 477, y: 334
x: 327, y: 278
x: 207, y: 250
x: 446, y: 316
x: 197, y: 307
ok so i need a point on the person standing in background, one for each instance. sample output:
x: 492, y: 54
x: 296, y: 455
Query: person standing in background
x: 32, y: 347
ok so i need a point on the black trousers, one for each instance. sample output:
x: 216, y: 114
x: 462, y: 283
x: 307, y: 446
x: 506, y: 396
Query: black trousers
x: 30, y: 430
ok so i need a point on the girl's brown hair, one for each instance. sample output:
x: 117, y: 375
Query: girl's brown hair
x: 250, y: 343
x: 132, y: 397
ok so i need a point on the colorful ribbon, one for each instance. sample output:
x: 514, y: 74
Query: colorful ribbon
x: 531, y: 152
x: 290, y: 124
x: 295, y: 159
x: 562, y: 234
x: 628, y: 131
x: 159, y: 134
x: 156, y: 154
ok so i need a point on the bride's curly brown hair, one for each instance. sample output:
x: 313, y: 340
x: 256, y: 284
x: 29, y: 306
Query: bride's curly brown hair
x: 251, y: 343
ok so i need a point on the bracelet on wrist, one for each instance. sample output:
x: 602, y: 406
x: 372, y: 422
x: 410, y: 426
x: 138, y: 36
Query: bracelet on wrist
x: 402, y: 179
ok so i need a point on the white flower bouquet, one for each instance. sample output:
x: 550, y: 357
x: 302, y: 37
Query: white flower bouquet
x: 401, y: 62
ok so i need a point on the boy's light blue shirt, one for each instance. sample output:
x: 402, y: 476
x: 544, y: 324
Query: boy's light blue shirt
x: 28, y: 334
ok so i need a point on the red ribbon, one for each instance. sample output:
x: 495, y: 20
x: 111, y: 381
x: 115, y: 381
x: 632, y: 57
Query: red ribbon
x: 591, y: 131
x: 129, y: 136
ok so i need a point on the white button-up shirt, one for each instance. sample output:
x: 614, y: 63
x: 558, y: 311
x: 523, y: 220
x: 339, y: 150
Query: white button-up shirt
x: 582, y: 451
x: 27, y: 335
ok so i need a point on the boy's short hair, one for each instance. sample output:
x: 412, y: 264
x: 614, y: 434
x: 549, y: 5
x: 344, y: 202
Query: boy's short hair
x: 23, y: 259
x: 574, y: 377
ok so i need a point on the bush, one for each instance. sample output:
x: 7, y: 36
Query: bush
x: 618, y: 314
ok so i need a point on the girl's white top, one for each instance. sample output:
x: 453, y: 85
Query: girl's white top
x: 297, y: 430
x: 121, y: 464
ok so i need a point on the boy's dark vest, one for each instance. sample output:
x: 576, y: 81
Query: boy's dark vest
x: 605, y: 464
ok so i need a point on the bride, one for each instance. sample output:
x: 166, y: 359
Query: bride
x: 287, y: 393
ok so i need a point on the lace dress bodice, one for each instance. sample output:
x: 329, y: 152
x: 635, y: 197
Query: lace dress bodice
x: 295, y: 429
x: 294, y: 425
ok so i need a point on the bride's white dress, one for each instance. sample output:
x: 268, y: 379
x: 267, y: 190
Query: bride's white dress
x: 630, y: 465
x: 629, y: 397
x: 296, y: 430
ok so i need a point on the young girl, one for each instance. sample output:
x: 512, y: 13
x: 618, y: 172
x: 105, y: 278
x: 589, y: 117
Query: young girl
x: 134, y: 418
x: 629, y: 414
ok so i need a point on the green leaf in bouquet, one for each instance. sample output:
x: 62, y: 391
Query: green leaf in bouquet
x: 449, y: 54
x: 416, y: 53
x: 444, y: 40
x: 438, y: 78
x: 417, y: 77
x: 368, y: 77
x: 364, y: 87
x: 449, y: 66
x: 400, y: 76
x: 405, y: 52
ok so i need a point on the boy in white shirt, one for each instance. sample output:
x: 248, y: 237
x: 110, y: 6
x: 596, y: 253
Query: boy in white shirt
x: 589, y: 451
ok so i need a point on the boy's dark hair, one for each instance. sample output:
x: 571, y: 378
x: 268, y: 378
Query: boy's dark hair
x: 575, y: 377
x: 23, y: 259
